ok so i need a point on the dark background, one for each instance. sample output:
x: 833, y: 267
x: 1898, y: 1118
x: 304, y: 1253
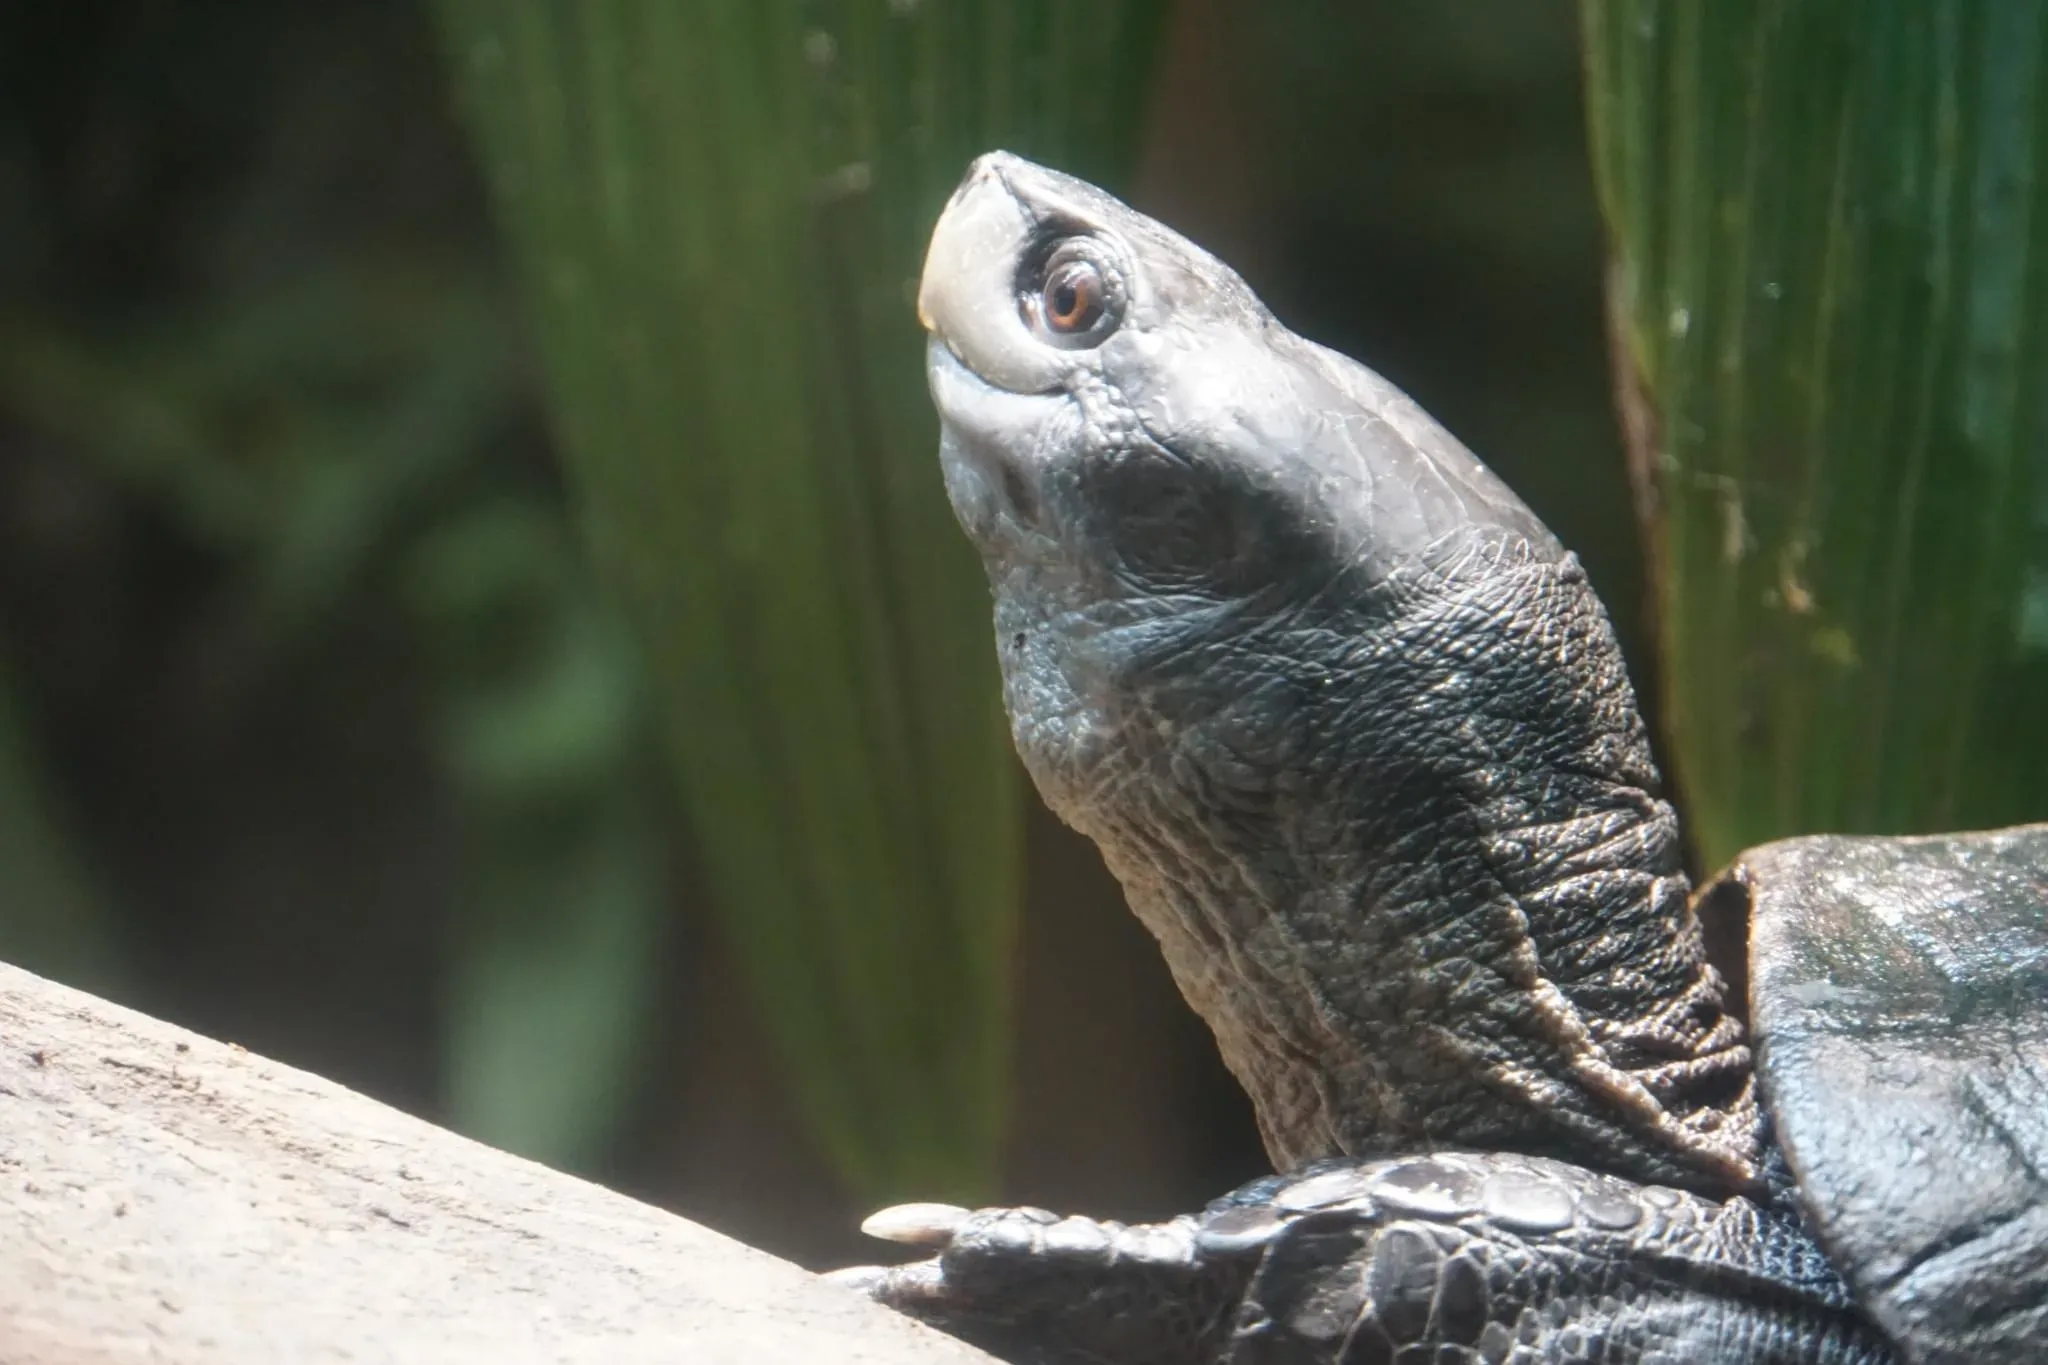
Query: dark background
x: 279, y: 518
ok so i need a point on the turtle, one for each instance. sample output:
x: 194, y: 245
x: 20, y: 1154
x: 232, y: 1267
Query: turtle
x: 1351, y: 728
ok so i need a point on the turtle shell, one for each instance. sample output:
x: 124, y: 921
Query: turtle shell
x: 1899, y: 993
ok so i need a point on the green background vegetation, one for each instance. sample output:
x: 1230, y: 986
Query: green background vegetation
x: 1827, y: 217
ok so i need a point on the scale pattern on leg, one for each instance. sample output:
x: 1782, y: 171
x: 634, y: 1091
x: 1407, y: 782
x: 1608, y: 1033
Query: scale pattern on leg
x: 1446, y: 1259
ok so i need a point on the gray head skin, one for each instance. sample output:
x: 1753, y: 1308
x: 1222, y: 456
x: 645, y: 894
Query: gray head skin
x: 1345, y: 720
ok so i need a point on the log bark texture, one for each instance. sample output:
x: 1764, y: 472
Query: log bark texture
x: 167, y: 1197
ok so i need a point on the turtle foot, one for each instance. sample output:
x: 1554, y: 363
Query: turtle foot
x: 1039, y: 1289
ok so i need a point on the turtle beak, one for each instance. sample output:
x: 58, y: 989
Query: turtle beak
x: 982, y: 225
x: 967, y: 296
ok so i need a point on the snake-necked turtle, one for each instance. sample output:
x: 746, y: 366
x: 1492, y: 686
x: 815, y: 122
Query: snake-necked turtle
x: 1352, y: 730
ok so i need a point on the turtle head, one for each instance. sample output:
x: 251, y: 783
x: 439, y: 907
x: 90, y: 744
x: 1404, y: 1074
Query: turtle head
x: 1162, y: 479
x: 1343, y: 716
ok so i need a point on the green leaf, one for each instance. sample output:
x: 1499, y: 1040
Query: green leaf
x: 720, y: 209
x: 1830, y: 286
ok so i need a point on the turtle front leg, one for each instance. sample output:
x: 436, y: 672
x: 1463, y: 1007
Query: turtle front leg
x: 1039, y: 1289
x: 1453, y: 1256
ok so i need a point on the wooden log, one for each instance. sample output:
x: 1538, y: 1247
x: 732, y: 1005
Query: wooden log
x: 170, y: 1198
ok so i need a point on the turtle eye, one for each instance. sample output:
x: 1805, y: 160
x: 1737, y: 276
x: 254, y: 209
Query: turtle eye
x: 1075, y: 299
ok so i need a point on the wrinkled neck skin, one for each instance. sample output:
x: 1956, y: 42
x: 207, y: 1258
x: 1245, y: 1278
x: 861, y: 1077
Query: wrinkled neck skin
x: 1401, y: 846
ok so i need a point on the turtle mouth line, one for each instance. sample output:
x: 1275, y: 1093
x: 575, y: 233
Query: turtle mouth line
x: 952, y: 352
x: 944, y: 364
x: 946, y: 369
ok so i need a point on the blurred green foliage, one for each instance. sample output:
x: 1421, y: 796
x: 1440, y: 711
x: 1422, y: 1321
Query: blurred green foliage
x: 212, y: 329
x: 1830, y: 231
x: 720, y: 210
x: 53, y: 920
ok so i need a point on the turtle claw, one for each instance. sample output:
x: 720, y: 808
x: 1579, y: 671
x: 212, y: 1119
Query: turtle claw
x: 1032, y: 1286
x: 862, y: 1279
x: 918, y: 1288
x: 918, y: 1225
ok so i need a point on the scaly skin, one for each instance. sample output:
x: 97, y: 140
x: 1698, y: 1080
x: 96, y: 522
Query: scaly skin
x: 1468, y: 1257
x: 1352, y: 730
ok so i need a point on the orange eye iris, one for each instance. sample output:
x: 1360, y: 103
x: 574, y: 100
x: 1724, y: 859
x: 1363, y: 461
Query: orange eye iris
x: 1074, y: 297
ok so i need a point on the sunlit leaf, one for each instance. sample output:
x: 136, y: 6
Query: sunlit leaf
x: 1830, y: 279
